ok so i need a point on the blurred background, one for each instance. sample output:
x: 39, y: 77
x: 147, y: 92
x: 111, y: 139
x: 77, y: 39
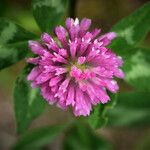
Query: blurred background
x: 104, y: 13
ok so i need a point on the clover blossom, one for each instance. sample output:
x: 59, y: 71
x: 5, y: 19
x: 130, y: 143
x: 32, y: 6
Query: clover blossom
x: 76, y: 69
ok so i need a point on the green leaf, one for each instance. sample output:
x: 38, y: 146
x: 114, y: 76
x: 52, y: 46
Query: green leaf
x: 40, y: 137
x: 98, y: 117
x: 137, y: 68
x: 132, y: 109
x: 28, y: 103
x: 48, y: 13
x: 13, y: 42
x: 82, y: 137
x: 131, y: 30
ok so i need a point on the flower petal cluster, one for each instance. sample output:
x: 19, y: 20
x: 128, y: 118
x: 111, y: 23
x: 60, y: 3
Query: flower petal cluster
x: 77, y: 68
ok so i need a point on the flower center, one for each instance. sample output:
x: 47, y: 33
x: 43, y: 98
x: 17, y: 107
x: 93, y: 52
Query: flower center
x: 78, y: 69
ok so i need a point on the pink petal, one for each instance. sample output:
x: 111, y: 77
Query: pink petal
x: 34, y: 73
x: 61, y: 35
x: 71, y: 96
x: 49, y: 42
x: 36, y: 47
x: 84, y: 25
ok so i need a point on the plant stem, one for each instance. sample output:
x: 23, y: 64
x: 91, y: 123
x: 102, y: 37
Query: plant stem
x: 72, y: 8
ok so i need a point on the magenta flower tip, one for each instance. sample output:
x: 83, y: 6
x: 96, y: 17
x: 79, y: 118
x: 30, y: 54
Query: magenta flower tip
x: 78, y: 70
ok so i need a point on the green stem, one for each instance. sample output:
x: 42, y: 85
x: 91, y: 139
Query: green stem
x: 72, y: 8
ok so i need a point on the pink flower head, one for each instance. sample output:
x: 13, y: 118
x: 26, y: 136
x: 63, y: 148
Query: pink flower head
x: 76, y: 69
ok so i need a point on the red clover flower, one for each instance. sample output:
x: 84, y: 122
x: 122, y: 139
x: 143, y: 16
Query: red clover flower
x: 76, y: 69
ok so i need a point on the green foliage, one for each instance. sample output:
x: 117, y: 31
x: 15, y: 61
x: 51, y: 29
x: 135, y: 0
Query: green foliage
x: 81, y: 137
x: 137, y: 68
x: 36, y: 139
x: 131, y: 30
x: 78, y: 136
x: 132, y: 109
x: 13, y: 42
x: 28, y: 103
x: 48, y: 13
